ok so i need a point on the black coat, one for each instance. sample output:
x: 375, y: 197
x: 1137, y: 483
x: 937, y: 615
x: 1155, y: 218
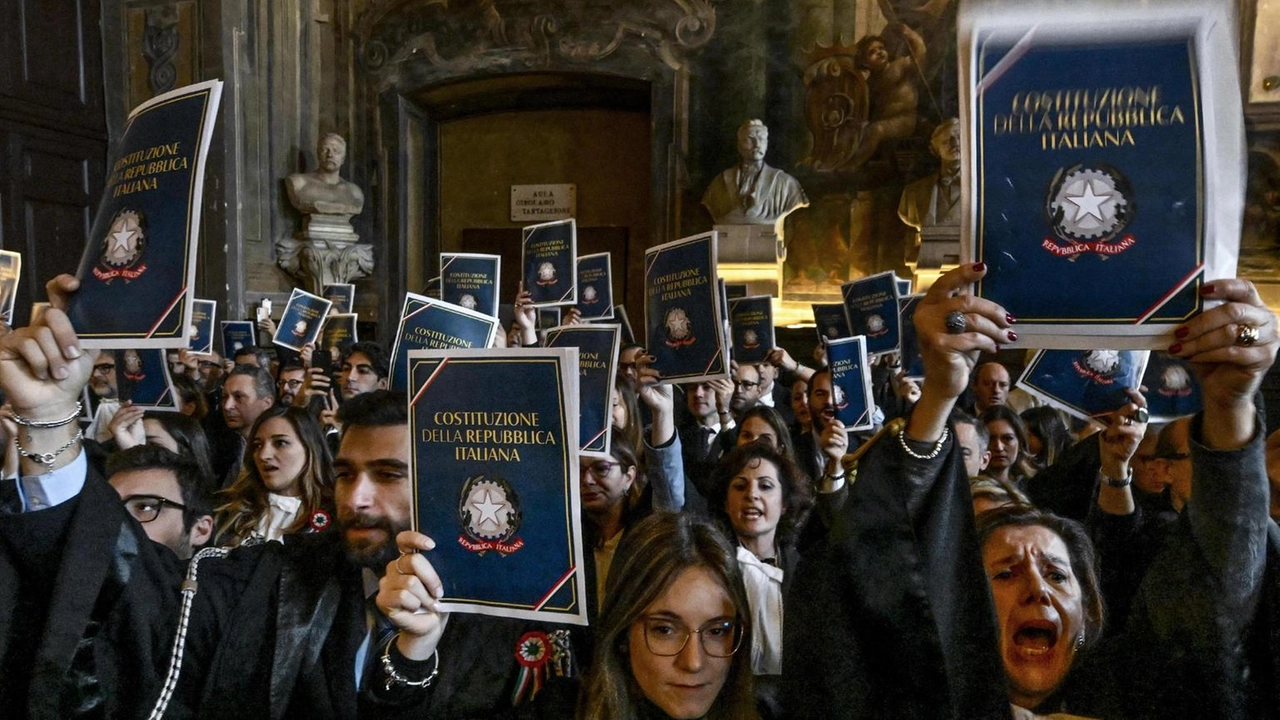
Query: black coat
x: 892, y: 618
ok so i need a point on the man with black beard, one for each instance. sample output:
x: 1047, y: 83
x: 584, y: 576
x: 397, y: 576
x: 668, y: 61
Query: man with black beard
x: 89, y: 606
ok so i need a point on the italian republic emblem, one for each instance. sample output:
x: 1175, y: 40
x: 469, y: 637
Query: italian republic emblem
x: 122, y: 247
x: 1088, y: 209
x: 489, y: 514
x: 678, y: 327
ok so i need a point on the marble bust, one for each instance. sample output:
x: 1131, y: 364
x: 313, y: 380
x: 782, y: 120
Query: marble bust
x: 935, y: 199
x: 752, y: 192
x: 323, y: 191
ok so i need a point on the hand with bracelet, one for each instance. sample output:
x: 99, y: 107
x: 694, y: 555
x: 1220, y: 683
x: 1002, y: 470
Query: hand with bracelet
x: 953, y: 327
x: 1116, y: 446
x: 42, y: 371
x: 408, y: 595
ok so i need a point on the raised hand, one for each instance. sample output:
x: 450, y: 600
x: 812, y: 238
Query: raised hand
x: 126, y: 427
x: 409, y: 594
x: 1230, y: 348
x: 950, y: 354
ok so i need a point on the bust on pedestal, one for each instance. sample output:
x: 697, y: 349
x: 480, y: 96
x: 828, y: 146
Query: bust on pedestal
x: 931, y: 207
x: 326, y: 252
x: 748, y: 203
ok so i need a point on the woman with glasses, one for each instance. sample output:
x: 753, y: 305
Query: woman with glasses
x: 671, y: 629
x: 286, y: 485
x: 611, y: 495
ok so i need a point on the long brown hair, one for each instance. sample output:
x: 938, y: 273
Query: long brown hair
x: 651, y: 556
x: 246, y: 500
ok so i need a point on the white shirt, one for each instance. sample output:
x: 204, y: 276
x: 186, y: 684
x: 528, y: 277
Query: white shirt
x: 764, y: 597
x: 40, y: 492
x: 281, y: 513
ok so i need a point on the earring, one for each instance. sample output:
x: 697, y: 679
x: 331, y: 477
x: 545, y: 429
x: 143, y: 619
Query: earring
x: 1079, y: 642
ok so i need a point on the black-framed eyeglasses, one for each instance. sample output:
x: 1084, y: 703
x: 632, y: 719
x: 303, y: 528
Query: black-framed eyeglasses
x: 666, y: 637
x: 601, y: 468
x: 145, y: 508
x: 208, y: 364
x: 746, y: 384
x: 291, y: 384
x: 104, y: 367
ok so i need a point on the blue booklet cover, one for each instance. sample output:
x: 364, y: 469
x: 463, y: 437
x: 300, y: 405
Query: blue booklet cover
x: 237, y: 334
x: 830, y: 321
x: 912, y: 360
x: 342, y: 295
x: 733, y: 291
x: 470, y: 280
x: 904, y: 286
x: 143, y: 379
x: 430, y: 324
x: 137, y: 273
x: 302, y: 320
x: 1084, y: 383
x: 851, y: 382
x: 549, y: 255
x: 1090, y: 194
x: 1172, y: 390
x: 597, y: 362
x: 595, y: 286
x: 871, y: 305
x: 548, y: 318
x: 496, y: 479
x: 339, y: 334
x: 203, y: 314
x: 683, y: 312
x: 751, y: 321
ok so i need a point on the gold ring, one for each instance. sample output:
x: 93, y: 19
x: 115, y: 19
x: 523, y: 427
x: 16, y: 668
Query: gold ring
x: 400, y: 570
x: 1246, y: 336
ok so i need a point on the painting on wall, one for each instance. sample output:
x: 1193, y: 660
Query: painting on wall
x: 874, y: 96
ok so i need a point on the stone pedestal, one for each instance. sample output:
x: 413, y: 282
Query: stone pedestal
x: 324, y: 255
x: 939, y: 252
x: 751, y: 254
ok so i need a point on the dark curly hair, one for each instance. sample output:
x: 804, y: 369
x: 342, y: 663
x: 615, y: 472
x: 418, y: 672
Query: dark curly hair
x: 797, y: 490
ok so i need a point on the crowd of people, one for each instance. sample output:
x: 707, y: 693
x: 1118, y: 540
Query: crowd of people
x: 746, y: 556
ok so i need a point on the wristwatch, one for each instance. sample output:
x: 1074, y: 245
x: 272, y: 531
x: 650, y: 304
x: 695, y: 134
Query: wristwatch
x: 1117, y: 482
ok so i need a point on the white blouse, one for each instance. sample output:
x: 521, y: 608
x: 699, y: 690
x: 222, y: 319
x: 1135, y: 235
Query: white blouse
x: 764, y: 596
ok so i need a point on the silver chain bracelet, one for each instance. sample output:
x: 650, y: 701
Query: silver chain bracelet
x: 937, y: 448
x: 47, y: 424
x: 47, y: 459
x: 394, y: 678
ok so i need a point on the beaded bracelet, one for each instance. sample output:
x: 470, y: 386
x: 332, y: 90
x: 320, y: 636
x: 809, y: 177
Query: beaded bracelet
x: 394, y: 678
x: 937, y: 448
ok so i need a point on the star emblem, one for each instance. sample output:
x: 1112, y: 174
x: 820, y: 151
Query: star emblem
x: 121, y: 243
x: 488, y: 510
x: 1088, y: 203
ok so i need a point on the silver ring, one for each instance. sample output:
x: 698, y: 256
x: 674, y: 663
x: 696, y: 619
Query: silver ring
x: 956, y: 322
x: 1246, y: 336
x: 398, y: 569
x: 1141, y: 415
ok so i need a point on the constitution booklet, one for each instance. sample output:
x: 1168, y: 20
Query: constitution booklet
x: 597, y: 363
x: 549, y: 253
x: 851, y: 382
x: 871, y: 305
x: 682, y: 318
x: 1105, y: 147
x: 236, y: 335
x: 342, y: 295
x: 1084, y: 383
x: 427, y: 323
x: 751, y: 323
x: 496, y: 479
x: 470, y: 280
x: 142, y: 379
x: 302, y: 320
x: 203, y: 314
x: 912, y: 360
x: 339, y: 333
x: 830, y: 321
x: 1172, y: 390
x: 137, y: 274
x: 10, y: 272
x: 595, y: 286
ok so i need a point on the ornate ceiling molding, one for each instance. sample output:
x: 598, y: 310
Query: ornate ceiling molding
x: 463, y: 36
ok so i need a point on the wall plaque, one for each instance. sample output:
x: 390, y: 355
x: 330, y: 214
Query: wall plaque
x: 538, y: 203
